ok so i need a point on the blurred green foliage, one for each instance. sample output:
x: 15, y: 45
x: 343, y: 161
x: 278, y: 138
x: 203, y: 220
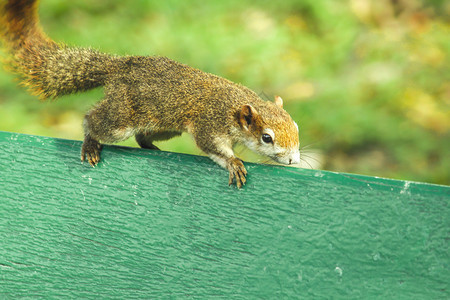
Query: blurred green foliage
x: 367, y: 81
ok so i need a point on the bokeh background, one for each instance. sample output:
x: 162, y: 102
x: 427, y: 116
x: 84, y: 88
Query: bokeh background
x: 368, y: 81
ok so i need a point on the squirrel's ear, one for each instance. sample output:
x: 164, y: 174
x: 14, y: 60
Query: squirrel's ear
x: 247, y: 116
x: 278, y: 101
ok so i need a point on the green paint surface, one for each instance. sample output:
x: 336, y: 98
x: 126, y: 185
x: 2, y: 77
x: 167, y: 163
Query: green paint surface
x: 149, y: 224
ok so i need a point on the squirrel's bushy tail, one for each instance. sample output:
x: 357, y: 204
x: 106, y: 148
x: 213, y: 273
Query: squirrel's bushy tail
x: 47, y: 68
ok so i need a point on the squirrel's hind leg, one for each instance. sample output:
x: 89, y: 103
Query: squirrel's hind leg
x: 104, y: 123
x: 145, y: 140
x: 91, y: 150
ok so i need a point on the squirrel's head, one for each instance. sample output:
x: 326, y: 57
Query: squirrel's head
x: 270, y: 130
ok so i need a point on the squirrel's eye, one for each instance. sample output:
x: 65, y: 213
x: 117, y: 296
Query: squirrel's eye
x: 267, y: 138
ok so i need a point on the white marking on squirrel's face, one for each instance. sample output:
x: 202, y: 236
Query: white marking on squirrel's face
x: 269, y: 145
x: 290, y: 157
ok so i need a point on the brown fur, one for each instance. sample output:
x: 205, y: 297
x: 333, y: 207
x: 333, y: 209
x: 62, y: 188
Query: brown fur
x: 154, y: 98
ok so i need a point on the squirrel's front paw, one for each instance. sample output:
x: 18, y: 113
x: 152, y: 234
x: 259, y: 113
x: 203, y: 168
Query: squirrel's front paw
x: 91, y: 151
x: 237, y: 172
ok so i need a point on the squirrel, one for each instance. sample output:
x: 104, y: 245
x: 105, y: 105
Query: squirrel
x: 151, y: 97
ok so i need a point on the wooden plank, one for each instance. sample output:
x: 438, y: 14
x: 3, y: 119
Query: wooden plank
x: 148, y: 224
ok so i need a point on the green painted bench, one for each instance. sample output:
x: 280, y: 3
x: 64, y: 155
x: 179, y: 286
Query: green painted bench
x: 149, y: 224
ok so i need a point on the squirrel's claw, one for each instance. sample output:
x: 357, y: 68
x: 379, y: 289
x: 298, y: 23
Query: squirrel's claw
x: 91, y: 151
x: 237, y: 172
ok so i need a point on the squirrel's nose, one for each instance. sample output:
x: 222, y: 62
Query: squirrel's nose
x: 295, y: 158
